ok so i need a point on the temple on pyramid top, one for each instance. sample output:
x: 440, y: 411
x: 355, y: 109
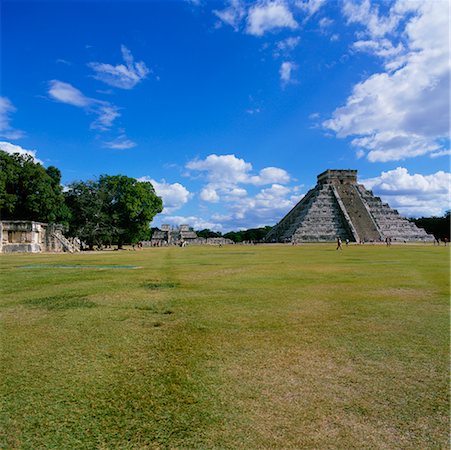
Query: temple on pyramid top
x: 338, y: 206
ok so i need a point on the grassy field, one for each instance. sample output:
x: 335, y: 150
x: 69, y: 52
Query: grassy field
x: 247, y: 347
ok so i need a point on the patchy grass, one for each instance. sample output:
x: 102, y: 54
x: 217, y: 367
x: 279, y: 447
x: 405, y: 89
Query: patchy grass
x: 232, y: 347
x: 60, y: 302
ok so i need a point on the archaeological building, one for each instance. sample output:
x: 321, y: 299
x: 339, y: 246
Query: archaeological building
x: 338, y: 206
x: 34, y: 237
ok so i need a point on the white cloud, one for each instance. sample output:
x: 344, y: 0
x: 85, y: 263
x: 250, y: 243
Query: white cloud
x: 233, y: 14
x: 121, y: 76
x: 269, y: 16
x: 107, y: 114
x: 197, y: 223
x: 222, y: 170
x: 440, y: 153
x: 289, y: 43
x: 6, y: 130
x: 413, y: 194
x: 270, y: 175
x: 267, y: 207
x: 286, y: 72
x: 174, y: 195
x: 402, y: 111
x: 310, y: 7
x: 209, y: 194
x: 367, y: 14
x: 120, y: 143
x: 325, y: 22
x: 382, y: 47
x: 66, y: 93
x: 12, y: 148
x: 286, y: 46
x: 224, y: 174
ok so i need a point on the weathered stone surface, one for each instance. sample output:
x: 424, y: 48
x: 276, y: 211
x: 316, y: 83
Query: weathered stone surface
x: 34, y: 237
x: 340, y: 207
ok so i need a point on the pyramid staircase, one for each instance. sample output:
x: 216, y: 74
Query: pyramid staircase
x: 339, y: 207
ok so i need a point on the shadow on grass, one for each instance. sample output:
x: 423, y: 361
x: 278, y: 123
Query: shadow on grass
x: 160, y: 285
x: 59, y: 302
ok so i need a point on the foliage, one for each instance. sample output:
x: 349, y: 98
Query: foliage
x: 207, y: 233
x: 438, y: 226
x: 114, y: 209
x: 28, y: 191
x: 253, y: 234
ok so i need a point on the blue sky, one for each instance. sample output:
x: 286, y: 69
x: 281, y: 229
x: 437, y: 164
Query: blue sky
x: 231, y: 109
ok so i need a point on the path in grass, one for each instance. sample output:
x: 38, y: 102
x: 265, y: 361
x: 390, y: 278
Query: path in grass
x: 232, y: 347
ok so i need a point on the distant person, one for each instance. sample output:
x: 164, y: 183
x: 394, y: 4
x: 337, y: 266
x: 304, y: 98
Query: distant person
x: 339, y: 247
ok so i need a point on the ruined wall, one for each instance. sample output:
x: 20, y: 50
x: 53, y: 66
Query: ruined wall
x: 34, y: 237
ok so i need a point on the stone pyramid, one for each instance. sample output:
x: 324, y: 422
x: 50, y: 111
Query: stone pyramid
x: 339, y: 206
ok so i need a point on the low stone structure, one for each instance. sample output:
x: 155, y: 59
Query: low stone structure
x: 340, y: 207
x: 168, y: 235
x: 34, y: 237
x: 182, y: 235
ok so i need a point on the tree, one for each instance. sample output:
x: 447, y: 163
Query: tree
x: 114, y: 209
x: 207, y: 233
x: 437, y: 226
x: 28, y: 191
x: 253, y: 234
x: 89, y: 220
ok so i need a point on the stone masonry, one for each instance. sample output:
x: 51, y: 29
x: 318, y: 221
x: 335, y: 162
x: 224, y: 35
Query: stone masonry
x: 34, y: 237
x: 340, y: 207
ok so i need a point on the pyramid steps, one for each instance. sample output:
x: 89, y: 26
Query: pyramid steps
x: 339, y: 207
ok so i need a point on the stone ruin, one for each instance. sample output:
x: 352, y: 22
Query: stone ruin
x: 34, y: 237
x: 172, y: 235
x: 182, y: 235
x: 340, y: 207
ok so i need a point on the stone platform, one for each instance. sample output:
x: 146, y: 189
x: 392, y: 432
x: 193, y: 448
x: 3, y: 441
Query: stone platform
x: 340, y: 207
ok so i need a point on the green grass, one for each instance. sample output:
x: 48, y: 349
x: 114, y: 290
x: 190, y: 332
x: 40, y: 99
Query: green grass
x: 236, y: 347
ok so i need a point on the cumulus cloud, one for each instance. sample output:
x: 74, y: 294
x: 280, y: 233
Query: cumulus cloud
x: 402, y: 111
x: 270, y: 175
x: 267, y: 207
x: 413, y: 194
x: 197, y: 223
x: 269, y: 16
x: 12, y: 148
x: 367, y: 14
x: 174, y: 195
x: 227, y: 177
x: 6, y: 130
x: 105, y: 111
x: 224, y: 174
x: 123, y: 76
x: 286, y: 72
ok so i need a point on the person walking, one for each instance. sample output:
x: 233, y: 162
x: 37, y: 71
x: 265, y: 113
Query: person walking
x: 339, y: 247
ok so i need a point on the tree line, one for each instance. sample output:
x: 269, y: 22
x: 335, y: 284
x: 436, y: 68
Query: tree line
x: 113, y: 209
x: 437, y: 226
x: 250, y: 235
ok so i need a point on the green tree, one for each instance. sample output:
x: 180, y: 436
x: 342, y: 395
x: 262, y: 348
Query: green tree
x: 28, y: 191
x: 89, y: 220
x: 207, y: 233
x: 437, y: 226
x: 114, y: 209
